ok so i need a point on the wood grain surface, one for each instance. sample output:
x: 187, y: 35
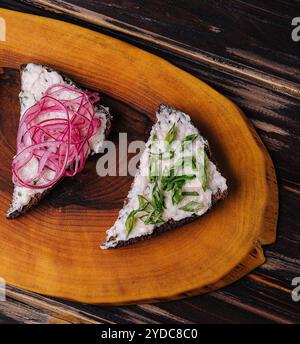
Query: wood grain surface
x: 266, y: 47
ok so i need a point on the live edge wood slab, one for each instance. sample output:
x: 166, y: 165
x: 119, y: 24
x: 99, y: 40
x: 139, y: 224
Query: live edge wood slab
x: 252, y: 299
x: 54, y: 249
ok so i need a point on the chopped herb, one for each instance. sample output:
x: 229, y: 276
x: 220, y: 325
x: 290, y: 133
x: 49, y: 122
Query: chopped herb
x: 152, y: 209
x: 175, y: 184
x: 188, y: 139
x: 143, y: 203
x: 153, y: 179
x: 164, y: 156
x: 171, y: 134
x: 167, y: 174
x: 183, y: 178
x: 192, y: 207
x: 203, y: 172
x: 130, y: 221
x: 155, y: 208
x: 152, y: 218
x: 186, y: 161
x: 158, y: 200
x: 190, y: 193
x: 191, y: 137
x: 153, y: 170
x: 177, y: 195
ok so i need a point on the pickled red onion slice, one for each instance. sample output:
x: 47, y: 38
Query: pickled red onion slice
x: 53, y: 137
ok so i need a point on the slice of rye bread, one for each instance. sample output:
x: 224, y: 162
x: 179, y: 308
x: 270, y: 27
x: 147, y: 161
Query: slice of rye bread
x: 14, y: 211
x: 172, y: 224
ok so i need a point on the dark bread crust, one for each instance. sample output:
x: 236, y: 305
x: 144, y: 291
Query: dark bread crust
x: 12, y: 214
x: 34, y: 200
x: 172, y: 224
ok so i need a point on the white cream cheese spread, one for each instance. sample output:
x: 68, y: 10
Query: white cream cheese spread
x: 184, y: 183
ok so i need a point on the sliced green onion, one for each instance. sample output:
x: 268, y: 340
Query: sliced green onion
x: 192, y: 207
x: 130, y: 221
x: 204, y: 174
x: 143, y: 203
x: 171, y: 134
x: 188, y: 139
x: 190, y: 193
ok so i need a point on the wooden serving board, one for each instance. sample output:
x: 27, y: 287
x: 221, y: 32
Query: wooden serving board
x: 54, y: 249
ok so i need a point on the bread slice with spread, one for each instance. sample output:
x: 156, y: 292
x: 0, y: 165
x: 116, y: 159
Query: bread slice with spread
x: 40, y: 157
x: 177, y: 181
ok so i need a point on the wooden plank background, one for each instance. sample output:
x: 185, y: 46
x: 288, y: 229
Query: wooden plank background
x: 243, y: 49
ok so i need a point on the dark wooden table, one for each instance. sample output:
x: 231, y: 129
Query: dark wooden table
x: 245, y: 50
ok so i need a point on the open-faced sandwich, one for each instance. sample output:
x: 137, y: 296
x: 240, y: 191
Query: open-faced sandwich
x: 177, y: 181
x: 60, y: 125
